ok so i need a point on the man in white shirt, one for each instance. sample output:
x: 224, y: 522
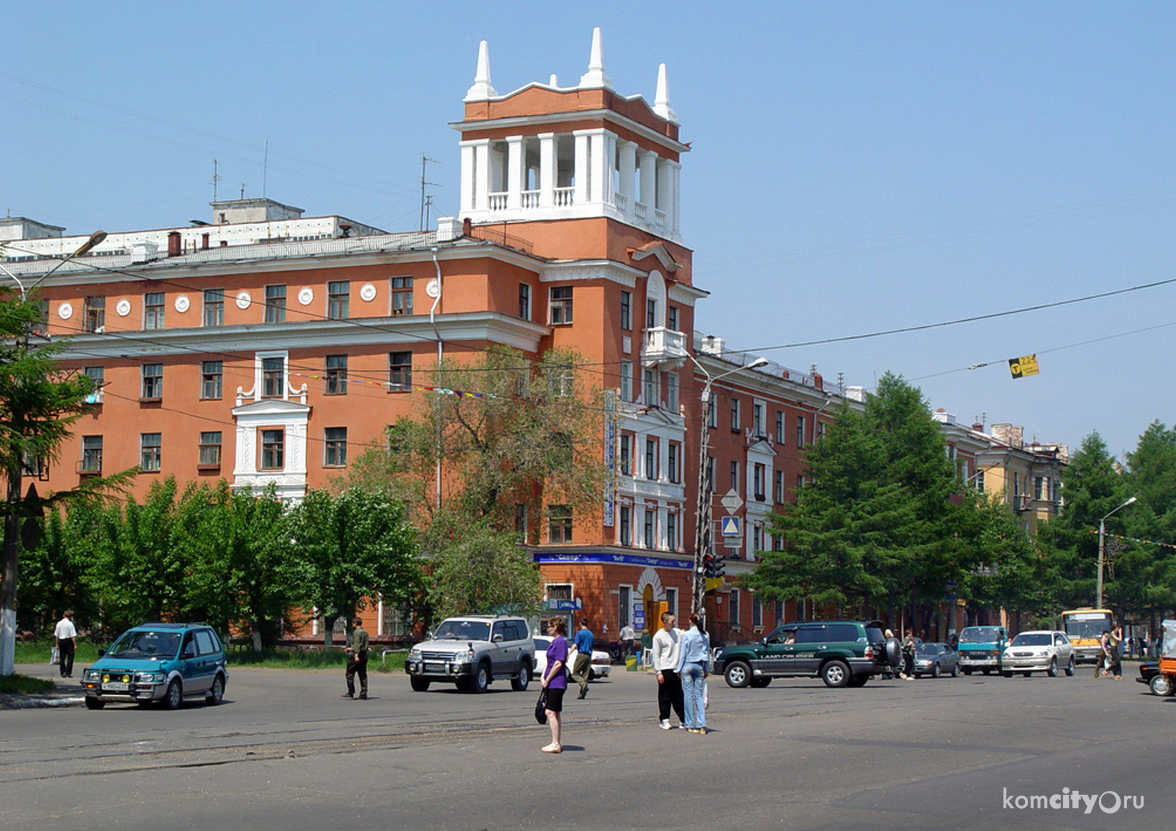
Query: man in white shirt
x: 665, y: 663
x: 628, y: 641
x: 66, y: 636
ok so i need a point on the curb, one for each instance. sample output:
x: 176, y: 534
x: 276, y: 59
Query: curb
x: 29, y: 702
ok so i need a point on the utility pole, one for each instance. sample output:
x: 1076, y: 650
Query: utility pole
x: 424, y: 161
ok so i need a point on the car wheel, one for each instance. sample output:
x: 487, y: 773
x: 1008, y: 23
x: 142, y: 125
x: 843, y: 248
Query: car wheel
x: 1005, y: 674
x: 1027, y: 674
x: 968, y: 671
x: 174, y: 695
x: 216, y: 693
x: 98, y: 703
x: 835, y: 674
x: 1052, y: 672
x: 987, y: 671
x: 955, y: 671
x: 858, y: 681
x: 418, y: 684
x: 1070, y: 667
x: 893, y: 651
x: 481, y: 680
x: 591, y: 675
x: 738, y: 674
x: 519, y: 682
x: 1159, y: 685
x: 935, y: 671
x: 760, y: 683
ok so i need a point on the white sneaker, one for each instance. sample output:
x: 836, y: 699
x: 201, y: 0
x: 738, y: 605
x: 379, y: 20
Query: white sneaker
x: 664, y: 724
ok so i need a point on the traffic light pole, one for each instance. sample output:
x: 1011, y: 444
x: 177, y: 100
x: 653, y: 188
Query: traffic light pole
x: 703, y: 514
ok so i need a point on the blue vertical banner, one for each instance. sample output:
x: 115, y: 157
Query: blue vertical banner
x: 610, y: 456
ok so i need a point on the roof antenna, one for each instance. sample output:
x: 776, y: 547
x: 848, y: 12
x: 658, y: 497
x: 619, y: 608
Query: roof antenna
x: 426, y: 202
x: 215, y: 178
x: 265, y: 169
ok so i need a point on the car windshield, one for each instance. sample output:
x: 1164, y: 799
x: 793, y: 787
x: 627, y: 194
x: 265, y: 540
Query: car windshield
x: 541, y: 644
x: 980, y: 634
x: 140, y: 643
x: 1040, y: 639
x: 465, y: 630
x: 928, y: 649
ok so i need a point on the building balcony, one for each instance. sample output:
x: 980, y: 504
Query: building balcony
x: 663, y: 346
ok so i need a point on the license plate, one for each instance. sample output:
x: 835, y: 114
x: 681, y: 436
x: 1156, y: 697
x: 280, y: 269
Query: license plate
x: 116, y: 686
x: 434, y: 667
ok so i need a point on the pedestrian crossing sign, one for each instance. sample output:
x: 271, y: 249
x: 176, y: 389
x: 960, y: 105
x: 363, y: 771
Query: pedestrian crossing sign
x: 730, y: 526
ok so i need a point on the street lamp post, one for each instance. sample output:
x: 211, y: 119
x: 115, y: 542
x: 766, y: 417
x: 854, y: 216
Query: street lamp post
x: 702, y: 515
x: 1102, y: 546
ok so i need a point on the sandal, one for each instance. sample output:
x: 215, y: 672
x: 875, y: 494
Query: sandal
x: 552, y: 748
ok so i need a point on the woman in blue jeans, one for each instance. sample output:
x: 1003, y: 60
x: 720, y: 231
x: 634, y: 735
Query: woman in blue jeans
x: 693, y: 658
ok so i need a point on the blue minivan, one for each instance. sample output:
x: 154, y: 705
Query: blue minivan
x: 164, y: 662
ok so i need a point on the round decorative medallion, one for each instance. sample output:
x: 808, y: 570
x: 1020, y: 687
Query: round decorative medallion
x: 183, y: 303
x: 243, y: 300
x: 306, y: 295
x: 433, y: 288
x: 123, y: 307
x: 65, y: 311
x: 367, y: 293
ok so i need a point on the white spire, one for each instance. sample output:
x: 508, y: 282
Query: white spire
x: 661, y: 101
x: 481, y: 90
x: 595, y: 76
x: 554, y: 82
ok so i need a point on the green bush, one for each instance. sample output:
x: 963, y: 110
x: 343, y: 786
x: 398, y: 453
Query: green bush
x: 24, y: 684
x: 37, y: 652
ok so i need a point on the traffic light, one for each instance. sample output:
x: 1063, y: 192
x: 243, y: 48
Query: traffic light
x: 712, y: 566
x: 720, y: 566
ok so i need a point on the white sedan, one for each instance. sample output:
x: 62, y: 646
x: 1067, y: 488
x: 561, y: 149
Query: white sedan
x: 1042, y: 650
x: 600, y: 661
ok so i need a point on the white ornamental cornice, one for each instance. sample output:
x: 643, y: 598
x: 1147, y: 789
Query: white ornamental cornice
x: 584, y: 270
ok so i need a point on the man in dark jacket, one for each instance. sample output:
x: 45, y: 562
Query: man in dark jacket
x: 357, y: 655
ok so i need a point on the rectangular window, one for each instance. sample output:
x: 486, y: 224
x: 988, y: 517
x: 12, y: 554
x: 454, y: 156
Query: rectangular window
x: 799, y: 481
x: 626, y: 525
x: 399, y: 372
x: 757, y: 537
x: 778, y: 487
x: 735, y: 477
x: 649, y: 529
x: 91, y: 454
x: 560, y: 304
x: 672, y: 531
x: 150, y: 447
x: 712, y: 413
x: 624, y: 595
x: 672, y: 601
x: 94, y: 314
x: 521, y: 523
x: 559, y: 524
x: 800, y: 431
x: 672, y: 318
x: 335, y: 447
x: 97, y: 375
x: 759, y: 476
x: 626, y: 310
x: 153, y: 310
x: 757, y: 419
x: 650, y: 314
x: 401, y: 295
x: 626, y: 380
x: 338, y: 299
x: 757, y: 612
x: 152, y: 389
x: 211, y: 379
x: 1039, y: 488
x: 710, y: 473
x: 733, y: 600
x: 335, y: 375
x: 672, y: 392
x: 780, y: 427
x: 672, y: 461
x: 41, y: 327
x: 649, y: 387
x: 821, y: 430
x: 273, y: 377
x: 273, y: 449
x: 214, y: 307
x: 980, y: 480
x: 210, y: 449
x: 626, y: 454
x: 651, y: 458
x: 734, y: 414
x: 525, y: 301
x: 34, y: 466
x: 275, y: 304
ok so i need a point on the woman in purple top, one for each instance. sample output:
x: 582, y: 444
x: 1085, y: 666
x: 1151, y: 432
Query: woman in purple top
x: 555, y: 680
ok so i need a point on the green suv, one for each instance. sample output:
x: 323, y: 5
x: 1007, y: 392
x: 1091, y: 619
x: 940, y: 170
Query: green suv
x: 842, y: 653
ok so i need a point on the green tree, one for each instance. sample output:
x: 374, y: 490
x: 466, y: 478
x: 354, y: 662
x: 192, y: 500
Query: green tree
x: 348, y: 546
x: 39, y: 402
x: 1144, y: 574
x: 57, y: 573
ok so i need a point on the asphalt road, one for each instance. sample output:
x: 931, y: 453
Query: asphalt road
x: 286, y: 752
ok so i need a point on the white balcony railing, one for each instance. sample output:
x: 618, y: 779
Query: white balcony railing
x: 621, y: 201
x: 497, y: 201
x: 565, y: 197
x: 639, y: 210
x: 662, y: 344
x: 530, y: 199
x: 659, y: 216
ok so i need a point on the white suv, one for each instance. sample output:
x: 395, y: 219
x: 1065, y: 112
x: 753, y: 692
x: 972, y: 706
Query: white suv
x: 471, y: 651
x: 1042, y: 650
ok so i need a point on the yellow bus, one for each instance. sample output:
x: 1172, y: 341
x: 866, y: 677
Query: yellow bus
x: 1084, y: 627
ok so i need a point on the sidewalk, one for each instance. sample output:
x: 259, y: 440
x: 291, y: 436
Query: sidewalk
x: 67, y: 694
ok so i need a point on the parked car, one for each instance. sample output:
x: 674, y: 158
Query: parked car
x: 842, y: 653
x: 981, y: 647
x: 472, y: 651
x: 935, y: 659
x: 165, y: 662
x: 599, y: 668
x: 1043, y: 650
x: 1148, y: 672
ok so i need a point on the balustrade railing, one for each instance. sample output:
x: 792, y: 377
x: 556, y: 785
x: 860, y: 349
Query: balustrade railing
x: 565, y: 197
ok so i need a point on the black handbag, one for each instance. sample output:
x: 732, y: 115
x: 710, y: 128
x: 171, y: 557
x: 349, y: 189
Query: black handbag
x: 541, y: 708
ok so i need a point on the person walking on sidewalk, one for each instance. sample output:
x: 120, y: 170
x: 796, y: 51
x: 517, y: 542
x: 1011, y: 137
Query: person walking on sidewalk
x: 555, y: 682
x: 66, y: 636
x: 584, y: 641
x: 357, y: 657
x: 667, y: 643
x: 693, y: 659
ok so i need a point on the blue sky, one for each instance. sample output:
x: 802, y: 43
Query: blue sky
x: 856, y: 167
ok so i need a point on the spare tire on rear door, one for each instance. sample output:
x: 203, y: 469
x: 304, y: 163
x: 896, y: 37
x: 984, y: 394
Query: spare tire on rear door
x: 893, y: 652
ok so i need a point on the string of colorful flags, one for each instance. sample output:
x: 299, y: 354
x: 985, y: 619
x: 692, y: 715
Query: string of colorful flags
x: 1135, y: 539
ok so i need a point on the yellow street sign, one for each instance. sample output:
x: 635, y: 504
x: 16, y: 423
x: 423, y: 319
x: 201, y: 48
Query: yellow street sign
x: 712, y: 583
x: 1023, y: 366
